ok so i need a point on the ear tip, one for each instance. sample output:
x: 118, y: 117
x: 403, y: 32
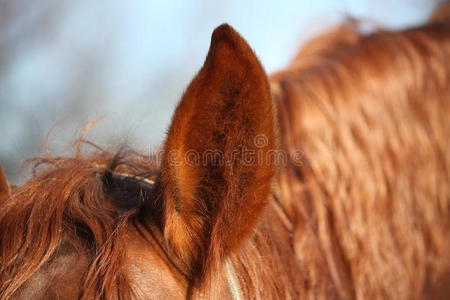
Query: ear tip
x: 224, y: 27
x: 226, y: 37
x: 224, y: 32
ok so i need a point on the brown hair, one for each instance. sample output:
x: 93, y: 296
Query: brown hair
x: 66, y: 206
x: 364, y: 214
x: 372, y: 198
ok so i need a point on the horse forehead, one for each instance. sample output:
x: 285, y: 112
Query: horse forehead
x: 59, y: 278
x: 150, y: 271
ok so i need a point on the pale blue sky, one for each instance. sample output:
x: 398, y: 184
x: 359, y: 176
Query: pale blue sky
x: 142, y: 54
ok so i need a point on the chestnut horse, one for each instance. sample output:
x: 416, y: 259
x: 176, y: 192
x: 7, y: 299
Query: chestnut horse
x: 330, y: 180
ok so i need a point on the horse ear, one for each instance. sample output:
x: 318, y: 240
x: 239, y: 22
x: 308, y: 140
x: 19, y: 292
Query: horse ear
x: 4, y: 185
x: 215, y: 176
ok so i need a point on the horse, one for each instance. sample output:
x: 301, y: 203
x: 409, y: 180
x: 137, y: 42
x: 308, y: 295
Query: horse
x: 326, y: 180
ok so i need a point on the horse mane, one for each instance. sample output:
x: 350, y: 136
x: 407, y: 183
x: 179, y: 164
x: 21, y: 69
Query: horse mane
x: 376, y: 100
x: 380, y: 102
x: 71, y: 201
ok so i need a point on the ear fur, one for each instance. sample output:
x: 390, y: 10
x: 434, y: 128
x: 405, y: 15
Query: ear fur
x: 214, y: 182
x: 4, y: 185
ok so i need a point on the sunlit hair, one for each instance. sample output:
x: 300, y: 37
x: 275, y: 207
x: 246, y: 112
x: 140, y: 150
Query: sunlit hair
x: 366, y: 215
x: 371, y: 114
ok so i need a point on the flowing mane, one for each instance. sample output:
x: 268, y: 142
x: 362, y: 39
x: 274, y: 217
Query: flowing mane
x: 67, y: 208
x: 364, y: 214
x: 366, y: 111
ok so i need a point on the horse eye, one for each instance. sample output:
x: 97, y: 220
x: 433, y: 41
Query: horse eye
x: 127, y: 191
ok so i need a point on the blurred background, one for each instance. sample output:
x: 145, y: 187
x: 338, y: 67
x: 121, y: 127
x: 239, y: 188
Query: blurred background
x: 65, y: 63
